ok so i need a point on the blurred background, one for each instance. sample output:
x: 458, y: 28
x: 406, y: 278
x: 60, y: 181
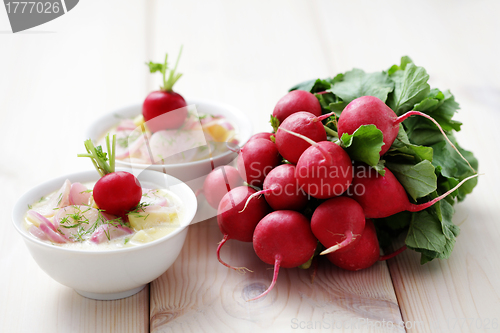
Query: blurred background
x: 55, y: 79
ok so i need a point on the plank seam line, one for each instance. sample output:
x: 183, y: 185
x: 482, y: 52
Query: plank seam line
x: 148, y: 329
x: 396, y: 294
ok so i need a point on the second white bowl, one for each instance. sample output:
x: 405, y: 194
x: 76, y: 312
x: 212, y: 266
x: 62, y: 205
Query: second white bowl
x: 187, y: 172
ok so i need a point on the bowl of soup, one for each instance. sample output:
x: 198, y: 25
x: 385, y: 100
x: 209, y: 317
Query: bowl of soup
x: 209, y: 137
x: 98, y: 255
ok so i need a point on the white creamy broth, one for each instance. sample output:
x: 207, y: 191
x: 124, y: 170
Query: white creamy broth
x: 81, y: 226
x: 200, y: 137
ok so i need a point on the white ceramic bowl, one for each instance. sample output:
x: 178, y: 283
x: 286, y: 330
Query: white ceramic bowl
x: 190, y: 171
x: 109, y: 274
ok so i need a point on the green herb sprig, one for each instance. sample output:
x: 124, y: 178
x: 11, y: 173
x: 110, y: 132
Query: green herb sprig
x: 99, y: 157
x: 173, y: 77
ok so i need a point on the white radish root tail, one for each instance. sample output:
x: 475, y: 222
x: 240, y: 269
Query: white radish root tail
x: 349, y: 238
x: 323, y: 117
x: 418, y: 208
x: 253, y: 196
x: 401, y: 118
x: 303, y: 137
x: 241, y: 270
x: 277, y: 263
x: 324, y: 152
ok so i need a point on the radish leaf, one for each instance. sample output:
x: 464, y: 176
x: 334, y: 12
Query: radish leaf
x: 357, y: 83
x: 418, y: 180
x: 364, y: 144
x: 410, y: 88
x: 425, y: 233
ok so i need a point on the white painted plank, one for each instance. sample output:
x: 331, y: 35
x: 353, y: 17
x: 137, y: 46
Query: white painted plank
x: 56, y: 79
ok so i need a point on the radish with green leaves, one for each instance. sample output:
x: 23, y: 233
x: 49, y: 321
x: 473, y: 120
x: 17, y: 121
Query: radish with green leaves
x: 324, y: 170
x: 283, y: 238
x: 304, y: 123
x: 262, y: 135
x: 165, y: 100
x: 363, y: 254
x: 295, y: 101
x: 338, y: 224
x: 383, y: 196
x: 116, y: 192
x: 234, y: 223
x: 218, y: 182
x: 256, y: 159
x: 281, y: 190
x: 370, y: 110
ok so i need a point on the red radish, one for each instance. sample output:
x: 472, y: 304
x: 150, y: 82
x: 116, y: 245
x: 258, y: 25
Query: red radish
x: 338, y: 224
x: 220, y: 181
x: 368, y: 110
x: 281, y: 189
x: 115, y: 192
x: 283, y: 238
x: 165, y: 100
x: 295, y: 101
x: 238, y: 225
x: 256, y: 159
x: 304, y: 123
x: 324, y: 170
x: 364, y: 254
x: 383, y: 196
x: 262, y: 135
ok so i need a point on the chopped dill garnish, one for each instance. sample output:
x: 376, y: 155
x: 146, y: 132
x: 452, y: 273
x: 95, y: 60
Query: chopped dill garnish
x: 59, y: 199
x: 123, y: 142
x: 81, y: 224
x: 140, y: 207
x: 30, y: 206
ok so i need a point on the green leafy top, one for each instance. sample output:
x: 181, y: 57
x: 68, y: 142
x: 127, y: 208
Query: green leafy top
x: 275, y: 123
x: 99, y: 157
x: 169, y: 82
x: 364, y: 145
x: 420, y: 158
x: 357, y: 83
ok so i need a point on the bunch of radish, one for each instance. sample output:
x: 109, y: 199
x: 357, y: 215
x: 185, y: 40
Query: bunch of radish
x: 299, y: 169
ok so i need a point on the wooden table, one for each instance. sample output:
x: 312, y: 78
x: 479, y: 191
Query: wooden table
x: 56, y: 78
